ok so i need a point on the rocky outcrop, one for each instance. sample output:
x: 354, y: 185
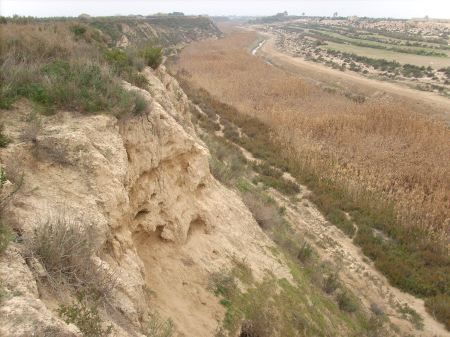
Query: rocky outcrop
x: 164, y: 223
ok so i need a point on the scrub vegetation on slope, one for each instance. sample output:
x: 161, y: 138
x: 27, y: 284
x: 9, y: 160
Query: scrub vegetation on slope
x: 377, y: 162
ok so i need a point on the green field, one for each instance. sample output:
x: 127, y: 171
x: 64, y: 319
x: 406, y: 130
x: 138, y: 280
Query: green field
x: 363, y: 43
x: 419, y: 60
x: 339, y: 38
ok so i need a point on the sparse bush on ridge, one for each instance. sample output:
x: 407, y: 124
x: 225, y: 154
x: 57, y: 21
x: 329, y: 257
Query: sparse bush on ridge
x: 140, y: 105
x: 153, y: 56
x: 127, y: 64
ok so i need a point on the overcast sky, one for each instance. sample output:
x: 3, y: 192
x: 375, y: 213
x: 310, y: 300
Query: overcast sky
x: 373, y: 8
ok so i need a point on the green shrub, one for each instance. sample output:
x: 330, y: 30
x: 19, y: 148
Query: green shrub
x: 226, y: 163
x: 339, y: 219
x: 153, y: 56
x: 282, y: 185
x: 374, y: 326
x: 411, y: 315
x: 267, y: 170
x: 223, y: 283
x: 78, y: 30
x: 126, y: 65
x: 305, y: 252
x: 137, y: 79
x: 85, y: 316
x: 140, y: 105
x: 230, y: 132
x: 331, y: 283
x: 118, y: 58
x: 3, y: 293
x: 242, y: 271
x: 347, y: 302
x: 158, y: 327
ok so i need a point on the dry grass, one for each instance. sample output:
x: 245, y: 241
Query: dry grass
x: 372, y: 146
x: 59, y: 65
x: 378, y: 161
x: 65, y: 249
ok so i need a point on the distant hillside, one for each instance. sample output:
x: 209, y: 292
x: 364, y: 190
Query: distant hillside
x: 120, y: 31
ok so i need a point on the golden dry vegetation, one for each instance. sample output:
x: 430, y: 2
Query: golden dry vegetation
x: 380, y: 162
x: 375, y: 146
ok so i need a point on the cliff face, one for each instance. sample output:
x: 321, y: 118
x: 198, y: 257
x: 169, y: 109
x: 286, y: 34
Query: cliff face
x: 168, y: 31
x: 163, y: 224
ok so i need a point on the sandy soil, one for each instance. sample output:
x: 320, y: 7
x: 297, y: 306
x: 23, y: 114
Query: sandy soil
x: 419, y: 101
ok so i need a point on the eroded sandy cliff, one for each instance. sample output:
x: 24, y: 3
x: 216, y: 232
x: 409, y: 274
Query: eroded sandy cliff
x: 163, y: 223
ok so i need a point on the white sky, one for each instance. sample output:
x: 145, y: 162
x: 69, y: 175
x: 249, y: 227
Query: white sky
x: 372, y: 8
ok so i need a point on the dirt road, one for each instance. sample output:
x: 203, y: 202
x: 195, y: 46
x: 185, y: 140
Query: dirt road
x: 420, y: 101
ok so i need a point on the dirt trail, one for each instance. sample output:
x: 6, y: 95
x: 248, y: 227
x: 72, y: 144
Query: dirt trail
x: 319, y: 74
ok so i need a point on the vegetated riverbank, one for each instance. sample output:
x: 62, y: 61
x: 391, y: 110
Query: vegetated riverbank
x: 376, y: 161
x: 322, y: 250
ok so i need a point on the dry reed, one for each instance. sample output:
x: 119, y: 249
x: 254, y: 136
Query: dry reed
x: 375, y: 146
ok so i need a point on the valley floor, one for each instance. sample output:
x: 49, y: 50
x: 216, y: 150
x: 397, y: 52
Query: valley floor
x: 322, y: 75
x: 406, y: 313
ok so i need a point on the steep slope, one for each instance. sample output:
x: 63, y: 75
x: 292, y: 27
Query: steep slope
x: 163, y: 223
x: 169, y: 31
x: 119, y: 224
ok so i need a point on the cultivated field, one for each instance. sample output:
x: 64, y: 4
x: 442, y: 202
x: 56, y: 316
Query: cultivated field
x: 400, y: 51
x: 376, y: 162
x: 403, y: 58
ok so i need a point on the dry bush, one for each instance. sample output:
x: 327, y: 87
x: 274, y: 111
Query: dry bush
x: 265, y: 213
x: 261, y: 325
x: 31, y: 131
x: 65, y: 249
